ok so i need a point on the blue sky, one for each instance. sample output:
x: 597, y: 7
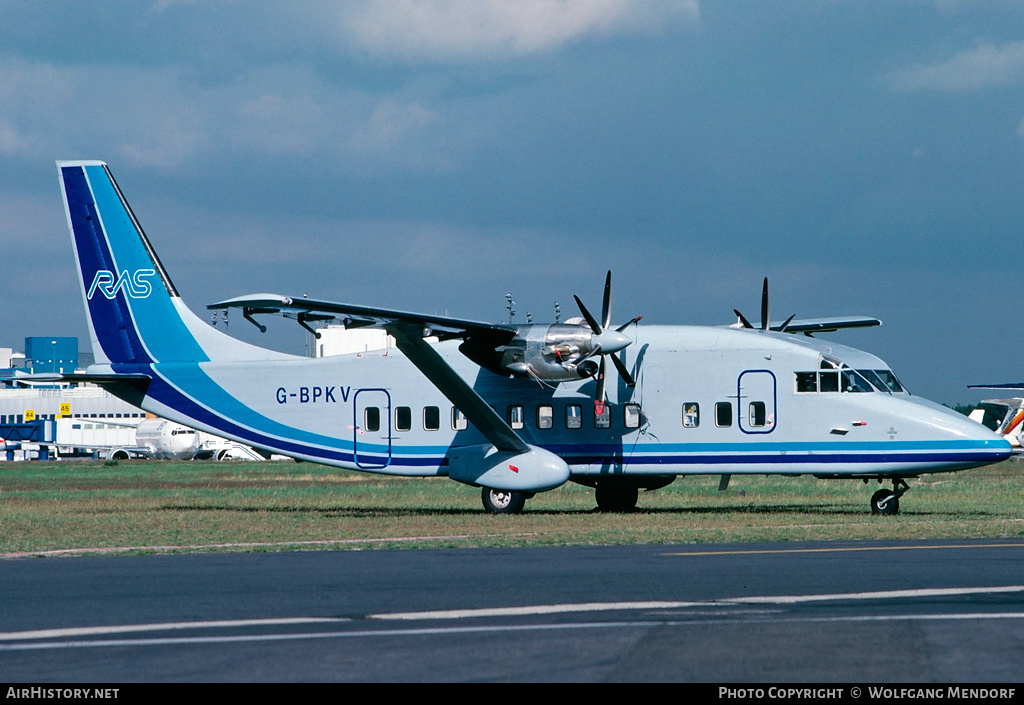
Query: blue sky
x: 868, y: 157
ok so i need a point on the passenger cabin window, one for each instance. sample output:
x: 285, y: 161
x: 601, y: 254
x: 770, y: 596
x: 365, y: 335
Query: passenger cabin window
x: 459, y: 422
x: 545, y: 416
x: 691, y: 414
x: 431, y: 418
x: 757, y: 414
x: 403, y: 418
x: 515, y: 417
x: 371, y: 419
x: 723, y: 414
x: 573, y: 416
x: 631, y: 415
x: 604, y: 419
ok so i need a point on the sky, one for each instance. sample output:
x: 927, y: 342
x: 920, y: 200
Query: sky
x: 866, y: 156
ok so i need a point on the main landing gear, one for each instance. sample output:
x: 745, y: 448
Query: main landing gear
x: 617, y: 497
x: 887, y: 502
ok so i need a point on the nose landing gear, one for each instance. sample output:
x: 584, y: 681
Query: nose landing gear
x: 887, y: 502
x: 503, y: 501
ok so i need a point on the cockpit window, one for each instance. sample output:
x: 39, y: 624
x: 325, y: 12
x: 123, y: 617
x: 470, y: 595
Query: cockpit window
x: 828, y: 363
x: 890, y: 381
x: 828, y: 382
x: 842, y: 380
x: 806, y: 381
x: 853, y: 382
x: 872, y: 377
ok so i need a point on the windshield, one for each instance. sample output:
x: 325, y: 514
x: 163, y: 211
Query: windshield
x: 853, y: 382
x: 884, y: 380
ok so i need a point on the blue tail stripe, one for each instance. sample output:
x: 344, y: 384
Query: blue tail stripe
x: 133, y: 314
x: 110, y: 316
x: 157, y: 321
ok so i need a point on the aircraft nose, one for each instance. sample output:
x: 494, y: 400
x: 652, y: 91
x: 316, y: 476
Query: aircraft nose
x: 996, y: 446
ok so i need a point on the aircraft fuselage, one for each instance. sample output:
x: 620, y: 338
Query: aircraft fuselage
x: 707, y: 401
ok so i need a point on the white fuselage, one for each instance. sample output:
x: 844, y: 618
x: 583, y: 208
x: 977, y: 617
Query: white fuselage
x: 377, y: 412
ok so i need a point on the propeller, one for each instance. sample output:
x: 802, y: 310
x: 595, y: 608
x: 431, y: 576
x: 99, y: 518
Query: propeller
x: 606, y: 342
x: 765, y: 319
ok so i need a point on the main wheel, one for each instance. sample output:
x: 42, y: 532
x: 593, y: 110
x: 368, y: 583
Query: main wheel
x: 616, y: 497
x: 884, y: 502
x: 502, y: 501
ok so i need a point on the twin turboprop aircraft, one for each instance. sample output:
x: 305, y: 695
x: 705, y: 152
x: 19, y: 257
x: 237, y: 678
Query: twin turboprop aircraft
x: 512, y: 409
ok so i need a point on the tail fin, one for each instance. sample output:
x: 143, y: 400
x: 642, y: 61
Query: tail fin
x: 135, y: 314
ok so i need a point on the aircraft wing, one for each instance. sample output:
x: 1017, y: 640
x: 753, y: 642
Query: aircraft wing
x: 827, y: 325
x: 409, y: 330
x: 464, y: 397
x: 1008, y: 385
x: 355, y: 316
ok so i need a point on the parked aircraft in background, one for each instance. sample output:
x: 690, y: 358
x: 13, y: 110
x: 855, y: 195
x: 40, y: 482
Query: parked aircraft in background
x: 512, y: 409
x: 1004, y: 416
x: 154, y: 438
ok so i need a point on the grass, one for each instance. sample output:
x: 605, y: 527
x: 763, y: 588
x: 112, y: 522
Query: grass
x: 146, y: 506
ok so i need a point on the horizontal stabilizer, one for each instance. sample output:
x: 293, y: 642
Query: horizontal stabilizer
x: 78, y: 377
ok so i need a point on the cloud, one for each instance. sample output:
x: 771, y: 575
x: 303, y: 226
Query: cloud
x: 985, y: 66
x: 444, y: 30
x: 155, y: 116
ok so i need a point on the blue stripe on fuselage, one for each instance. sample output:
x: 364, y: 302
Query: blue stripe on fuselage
x: 258, y: 430
x: 179, y: 386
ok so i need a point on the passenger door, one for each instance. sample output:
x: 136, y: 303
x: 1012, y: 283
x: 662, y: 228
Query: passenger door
x: 757, y: 401
x: 371, y: 428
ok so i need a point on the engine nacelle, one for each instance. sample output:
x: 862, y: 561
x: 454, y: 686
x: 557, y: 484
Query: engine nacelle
x: 536, y: 470
x: 554, y: 353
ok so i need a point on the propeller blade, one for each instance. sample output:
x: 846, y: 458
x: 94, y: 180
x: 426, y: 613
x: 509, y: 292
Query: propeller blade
x: 590, y: 319
x: 743, y: 320
x: 624, y: 326
x: 786, y: 324
x: 606, y: 306
x: 764, y: 306
x: 623, y: 372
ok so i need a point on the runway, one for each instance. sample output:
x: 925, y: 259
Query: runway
x: 939, y: 612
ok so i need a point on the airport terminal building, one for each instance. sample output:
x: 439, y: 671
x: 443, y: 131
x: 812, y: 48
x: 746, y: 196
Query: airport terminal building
x: 52, y: 401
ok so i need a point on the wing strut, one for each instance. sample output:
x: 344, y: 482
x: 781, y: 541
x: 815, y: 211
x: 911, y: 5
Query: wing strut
x: 494, y: 428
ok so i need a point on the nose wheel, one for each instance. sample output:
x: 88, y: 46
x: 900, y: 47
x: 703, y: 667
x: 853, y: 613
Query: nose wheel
x: 887, y: 502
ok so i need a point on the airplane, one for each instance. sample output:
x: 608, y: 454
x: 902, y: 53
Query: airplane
x: 1005, y: 417
x: 154, y: 438
x: 511, y: 409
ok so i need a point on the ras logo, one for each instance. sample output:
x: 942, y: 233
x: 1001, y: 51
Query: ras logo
x: 134, y: 283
